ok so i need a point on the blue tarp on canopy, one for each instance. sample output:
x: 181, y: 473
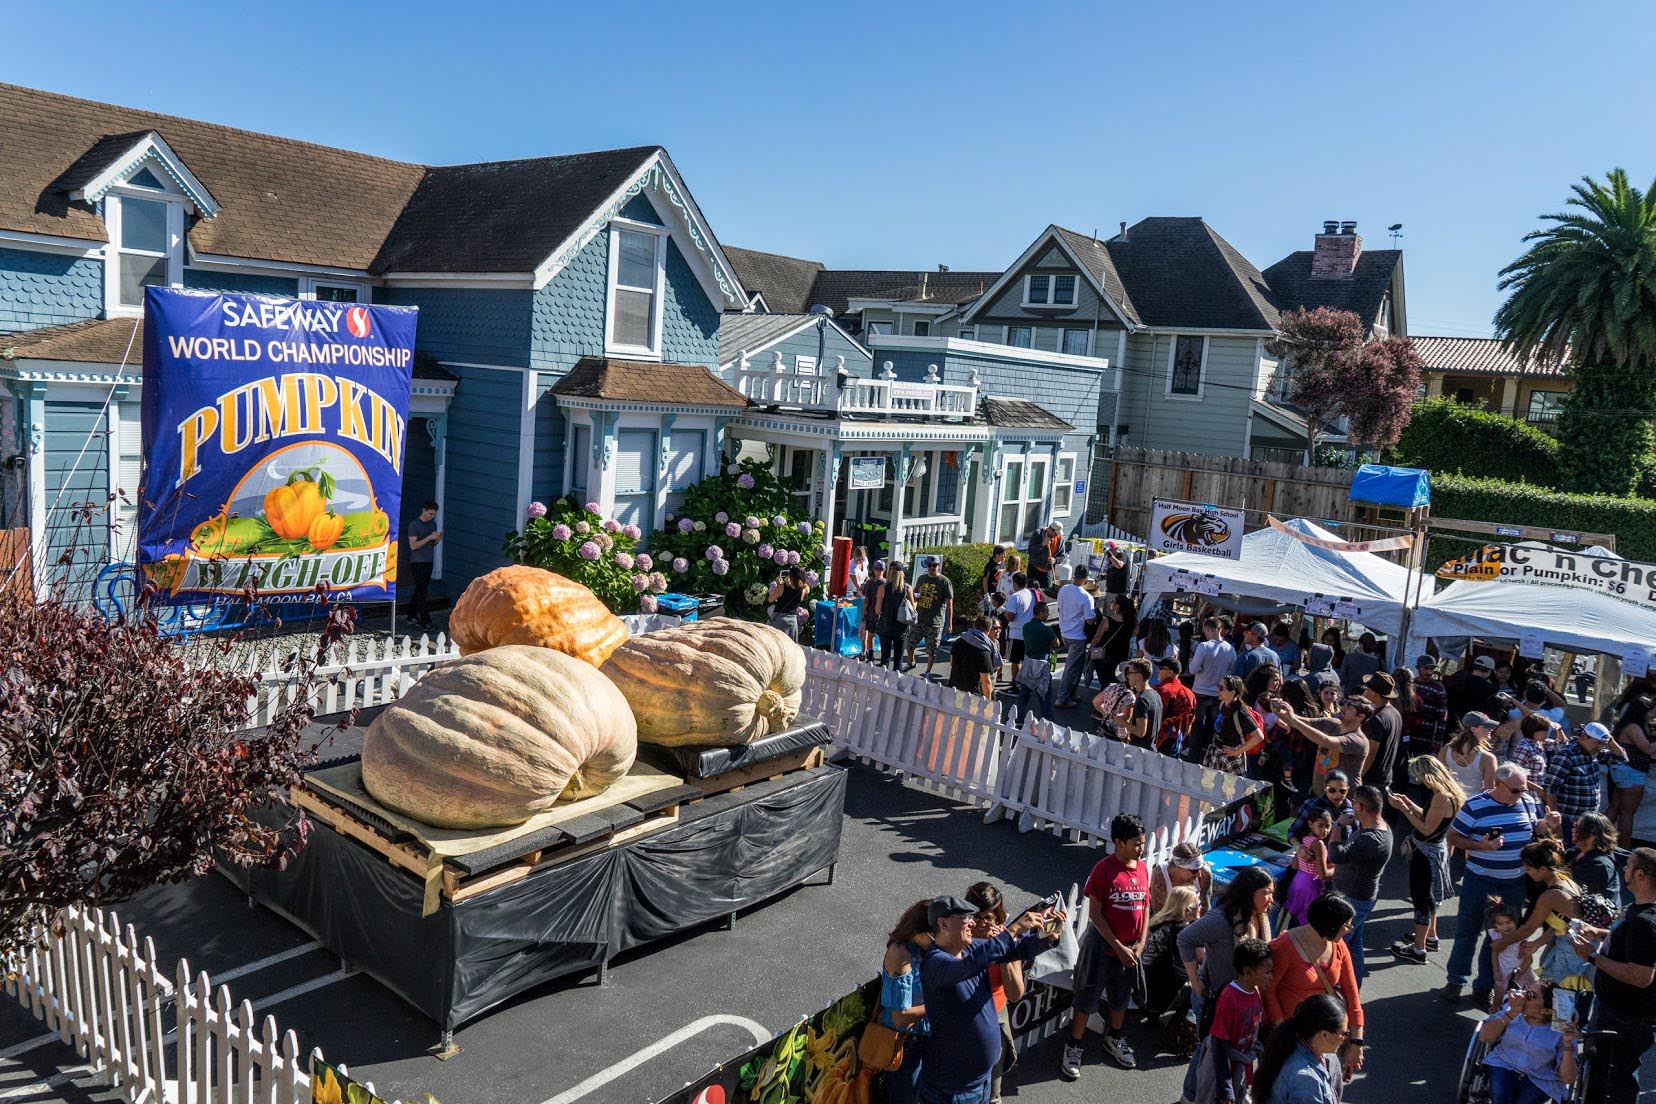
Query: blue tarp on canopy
x: 1385, y: 485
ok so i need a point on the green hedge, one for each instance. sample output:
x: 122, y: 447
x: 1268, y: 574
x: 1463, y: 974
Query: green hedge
x: 1632, y: 520
x: 1450, y: 437
x: 963, y: 564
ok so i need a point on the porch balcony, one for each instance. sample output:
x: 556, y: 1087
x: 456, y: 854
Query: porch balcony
x: 941, y: 531
x: 806, y: 385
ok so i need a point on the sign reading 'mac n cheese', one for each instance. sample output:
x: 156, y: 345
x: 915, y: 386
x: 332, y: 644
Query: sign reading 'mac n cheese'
x: 1537, y: 565
x: 273, y: 435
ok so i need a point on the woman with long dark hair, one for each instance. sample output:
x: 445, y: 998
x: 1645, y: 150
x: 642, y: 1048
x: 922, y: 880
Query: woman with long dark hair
x: 1006, y: 979
x: 1313, y: 958
x: 1155, y: 642
x: 1558, y: 904
x: 1112, y: 644
x: 1593, y: 862
x: 1243, y: 911
x: 1632, y: 710
x: 1301, y: 1064
x: 1238, y: 732
x: 903, y: 1001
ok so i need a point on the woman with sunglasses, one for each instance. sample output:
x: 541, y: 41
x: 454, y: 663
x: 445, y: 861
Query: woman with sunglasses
x: 1300, y: 1063
x: 1006, y: 979
x: 1311, y: 959
x: 1238, y: 730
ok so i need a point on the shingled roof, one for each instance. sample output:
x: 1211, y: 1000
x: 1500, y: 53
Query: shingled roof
x: 793, y: 285
x: 1480, y: 356
x: 1295, y: 288
x: 785, y: 282
x: 1180, y: 272
x: 300, y: 203
x: 1019, y: 414
x: 647, y: 382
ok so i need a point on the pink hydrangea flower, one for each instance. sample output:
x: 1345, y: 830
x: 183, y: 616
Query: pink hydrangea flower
x: 560, y: 531
x: 812, y: 578
x: 721, y: 567
x: 680, y: 565
x: 640, y: 583
x: 537, y: 509
x: 752, y: 523
x: 624, y: 561
x: 582, y: 528
x: 745, y: 481
x: 766, y: 551
x: 685, y: 525
x: 632, y: 531
x: 721, y: 517
x: 611, y: 525
x: 644, y: 562
x: 714, y: 553
x: 733, y: 530
x: 658, y: 582
x: 750, y: 536
x: 592, y: 508
x: 590, y: 551
x: 647, y: 604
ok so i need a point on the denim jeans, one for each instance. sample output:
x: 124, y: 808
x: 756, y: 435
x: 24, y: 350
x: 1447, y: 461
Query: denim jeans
x: 1509, y: 1087
x: 891, y: 649
x: 1476, y: 890
x: 977, y: 1094
x: 1076, y: 672
x: 1354, y: 938
x: 900, y: 1083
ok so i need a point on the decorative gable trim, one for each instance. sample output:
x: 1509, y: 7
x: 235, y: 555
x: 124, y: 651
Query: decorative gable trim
x: 661, y: 184
x: 149, y: 150
x: 1049, y: 236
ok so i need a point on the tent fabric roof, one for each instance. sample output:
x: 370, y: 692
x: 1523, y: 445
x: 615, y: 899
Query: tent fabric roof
x: 1276, y: 567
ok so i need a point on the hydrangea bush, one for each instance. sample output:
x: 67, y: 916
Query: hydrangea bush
x: 734, y: 533
x: 600, y: 553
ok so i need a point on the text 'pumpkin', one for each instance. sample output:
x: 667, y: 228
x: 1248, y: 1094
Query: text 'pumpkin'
x: 718, y: 681
x: 530, y: 605
x: 495, y: 738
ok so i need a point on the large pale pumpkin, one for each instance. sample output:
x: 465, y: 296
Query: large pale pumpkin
x: 529, y: 605
x: 492, y: 739
x: 718, y: 681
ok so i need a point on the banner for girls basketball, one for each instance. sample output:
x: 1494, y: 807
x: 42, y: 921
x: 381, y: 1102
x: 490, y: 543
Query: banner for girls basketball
x: 1193, y: 527
x: 273, y: 441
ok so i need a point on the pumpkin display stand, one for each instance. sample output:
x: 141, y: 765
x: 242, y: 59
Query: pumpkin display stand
x: 457, y: 921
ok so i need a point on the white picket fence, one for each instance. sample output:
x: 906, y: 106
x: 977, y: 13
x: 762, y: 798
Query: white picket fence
x: 1049, y: 777
x: 99, y: 988
x: 365, y: 671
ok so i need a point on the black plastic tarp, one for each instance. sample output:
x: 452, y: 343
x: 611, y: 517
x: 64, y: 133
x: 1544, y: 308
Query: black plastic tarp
x: 728, y: 852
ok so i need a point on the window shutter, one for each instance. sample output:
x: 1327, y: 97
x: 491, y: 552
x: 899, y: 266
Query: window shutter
x: 684, y: 462
x: 633, y: 463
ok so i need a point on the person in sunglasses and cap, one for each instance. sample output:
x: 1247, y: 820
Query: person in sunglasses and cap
x: 1384, y: 730
x: 965, y: 1033
x: 1571, y: 786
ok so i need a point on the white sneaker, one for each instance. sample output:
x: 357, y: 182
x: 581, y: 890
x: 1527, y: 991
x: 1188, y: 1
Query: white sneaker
x: 1118, y: 1050
x: 1070, y: 1067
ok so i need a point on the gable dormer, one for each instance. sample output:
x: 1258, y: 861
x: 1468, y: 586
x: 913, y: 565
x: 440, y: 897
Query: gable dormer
x: 146, y: 195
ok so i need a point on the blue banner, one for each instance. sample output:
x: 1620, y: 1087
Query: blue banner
x: 273, y: 438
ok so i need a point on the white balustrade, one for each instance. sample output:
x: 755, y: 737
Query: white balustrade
x: 809, y: 386
x: 366, y: 671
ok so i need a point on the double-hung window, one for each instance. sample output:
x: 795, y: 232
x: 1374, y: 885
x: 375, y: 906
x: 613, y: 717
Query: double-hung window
x: 637, y: 261
x: 1186, y: 364
x: 146, y: 243
x: 1049, y: 290
x: 1022, y: 337
x: 1063, y: 485
x: 922, y: 328
x: 1075, y: 342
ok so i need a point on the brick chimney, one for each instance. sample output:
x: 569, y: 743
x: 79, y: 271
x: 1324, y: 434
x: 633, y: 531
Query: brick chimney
x: 1336, y: 252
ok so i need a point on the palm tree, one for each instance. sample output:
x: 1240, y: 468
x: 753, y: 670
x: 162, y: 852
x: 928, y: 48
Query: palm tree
x: 1586, y: 289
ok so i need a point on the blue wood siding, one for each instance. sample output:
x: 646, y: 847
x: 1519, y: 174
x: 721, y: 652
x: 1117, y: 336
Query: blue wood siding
x: 1216, y: 424
x: 250, y: 283
x: 47, y: 289
x: 480, y: 492
x: 418, y: 484
x: 549, y: 449
x: 77, y: 476
x: 473, y: 325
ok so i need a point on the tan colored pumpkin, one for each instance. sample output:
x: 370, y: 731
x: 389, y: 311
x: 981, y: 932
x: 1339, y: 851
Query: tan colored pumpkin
x: 492, y: 739
x: 718, y: 681
x: 529, y: 605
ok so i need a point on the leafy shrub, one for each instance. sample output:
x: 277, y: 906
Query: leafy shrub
x: 1632, y: 520
x: 600, y: 553
x: 735, y: 532
x: 1449, y: 437
x: 963, y: 565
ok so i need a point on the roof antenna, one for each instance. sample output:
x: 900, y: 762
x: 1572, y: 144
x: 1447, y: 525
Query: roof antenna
x: 1095, y: 235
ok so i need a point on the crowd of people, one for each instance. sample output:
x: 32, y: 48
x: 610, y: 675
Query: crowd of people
x: 1378, y: 763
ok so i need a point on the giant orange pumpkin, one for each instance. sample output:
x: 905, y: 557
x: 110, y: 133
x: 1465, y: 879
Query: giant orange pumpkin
x: 529, y: 605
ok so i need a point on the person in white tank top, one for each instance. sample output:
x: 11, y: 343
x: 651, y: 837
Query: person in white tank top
x: 1468, y: 757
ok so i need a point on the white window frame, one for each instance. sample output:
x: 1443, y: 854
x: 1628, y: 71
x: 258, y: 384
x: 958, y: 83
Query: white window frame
x: 651, y: 351
x: 1015, y: 499
x: 1049, y: 281
x: 1201, y: 376
x: 309, y: 284
x: 1043, y: 462
x: 880, y: 327
x: 174, y: 254
x: 1067, y: 484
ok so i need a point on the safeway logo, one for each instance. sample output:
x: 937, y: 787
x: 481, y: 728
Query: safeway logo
x: 356, y: 320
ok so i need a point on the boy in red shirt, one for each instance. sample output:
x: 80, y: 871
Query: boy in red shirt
x: 1178, y: 707
x: 1233, y: 1043
x: 1118, y: 903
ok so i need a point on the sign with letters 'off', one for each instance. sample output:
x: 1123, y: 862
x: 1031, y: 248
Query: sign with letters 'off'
x: 273, y: 437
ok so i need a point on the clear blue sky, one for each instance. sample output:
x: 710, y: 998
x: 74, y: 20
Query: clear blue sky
x: 907, y: 135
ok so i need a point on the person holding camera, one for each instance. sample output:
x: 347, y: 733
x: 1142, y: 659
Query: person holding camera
x: 786, y: 595
x: 1531, y: 1059
x: 1624, y: 983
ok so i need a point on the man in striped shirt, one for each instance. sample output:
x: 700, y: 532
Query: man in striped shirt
x: 1492, y: 828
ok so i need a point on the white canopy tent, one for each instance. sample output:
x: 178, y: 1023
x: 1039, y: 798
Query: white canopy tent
x: 1567, y: 618
x: 1277, y: 569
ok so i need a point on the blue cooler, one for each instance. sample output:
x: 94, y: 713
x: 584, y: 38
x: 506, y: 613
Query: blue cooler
x: 680, y: 605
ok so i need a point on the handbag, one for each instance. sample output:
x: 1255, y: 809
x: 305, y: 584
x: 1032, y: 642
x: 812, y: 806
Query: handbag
x: 906, y: 613
x: 880, y: 1048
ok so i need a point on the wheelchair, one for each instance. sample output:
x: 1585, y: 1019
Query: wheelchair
x: 1474, y: 1076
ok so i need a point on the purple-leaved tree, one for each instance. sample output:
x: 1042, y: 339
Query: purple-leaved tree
x: 1336, y: 372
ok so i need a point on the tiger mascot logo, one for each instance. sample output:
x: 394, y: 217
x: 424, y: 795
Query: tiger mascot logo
x: 1196, y: 528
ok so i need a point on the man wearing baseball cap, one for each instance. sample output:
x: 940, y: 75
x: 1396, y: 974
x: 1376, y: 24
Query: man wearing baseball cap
x: 1384, y: 730
x: 1254, y: 653
x: 1571, y: 785
x: 1471, y: 687
x: 965, y: 1033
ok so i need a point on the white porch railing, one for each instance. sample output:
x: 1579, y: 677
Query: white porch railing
x: 942, y: 531
x: 367, y: 672
x: 99, y: 988
x: 811, y: 386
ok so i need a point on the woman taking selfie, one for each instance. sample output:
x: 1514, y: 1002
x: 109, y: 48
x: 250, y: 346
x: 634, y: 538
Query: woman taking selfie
x: 1531, y: 1060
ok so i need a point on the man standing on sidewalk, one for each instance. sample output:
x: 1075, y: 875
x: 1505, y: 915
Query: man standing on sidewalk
x: 934, y: 608
x: 423, y: 539
x: 1625, y: 978
x: 1039, y: 558
x: 1075, y: 609
x: 1571, y: 786
x: 1210, y: 661
x: 1492, y: 828
x: 1359, y: 858
x: 1118, y: 906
